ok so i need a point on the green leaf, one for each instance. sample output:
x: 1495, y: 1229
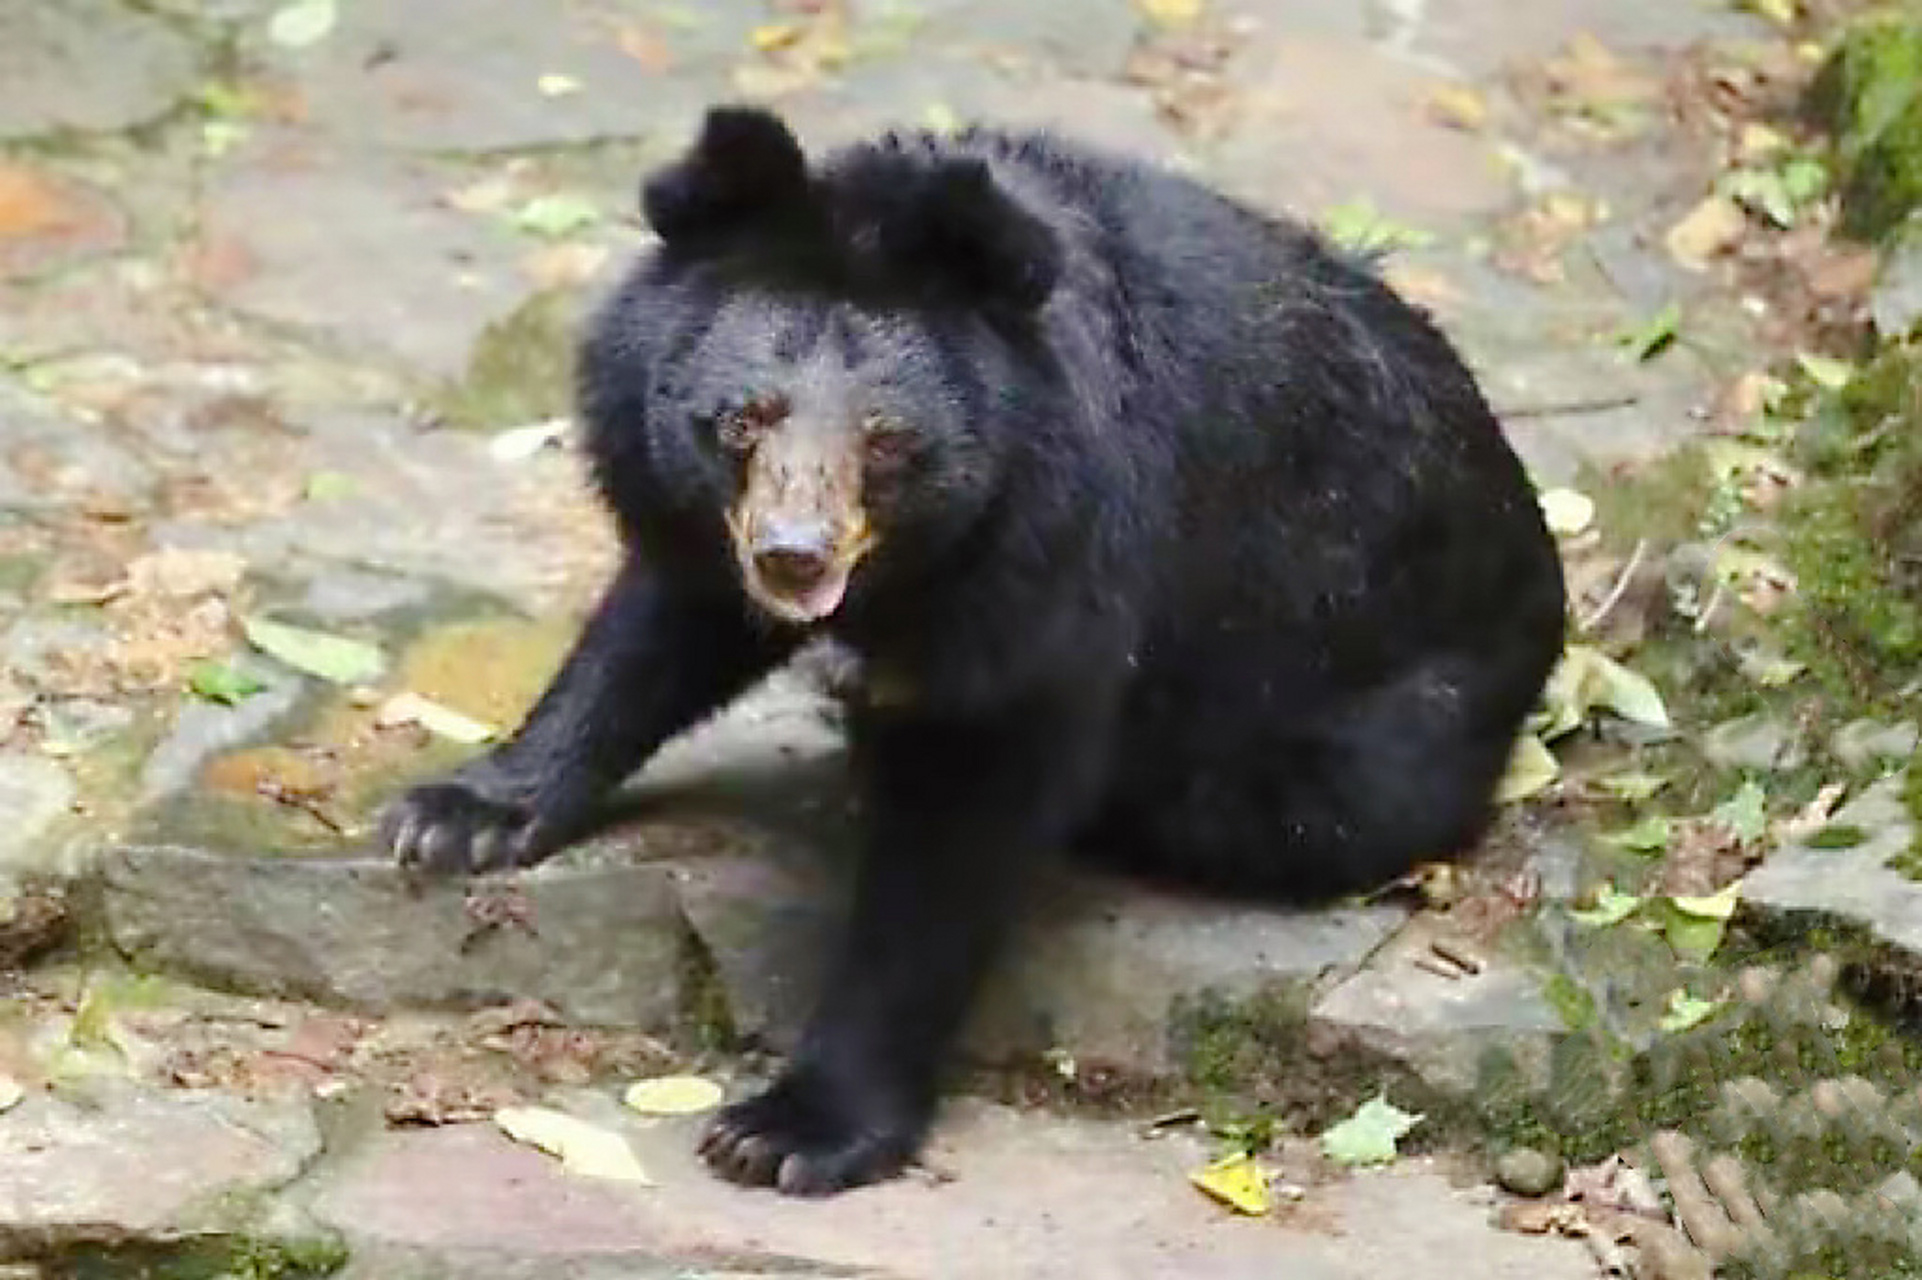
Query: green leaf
x: 1650, y: 835
x: 1611, y: 908
x: 325, y: 486
x: 1531, y: 767
x: 1651, y: 338
x: 1745, y: 813
x: 1838, y: 835
x: 1825, y: 371
x: 1360, y: 227
x: 1631, y: 785
x: 219, y: 682
x: 1694, y: 926
x: 1629, y: 694
x: 557, y: 215
x: 302, y: 23
x: 1369, y: 1136
x: 1685, y: 1011
x: 317, y: 653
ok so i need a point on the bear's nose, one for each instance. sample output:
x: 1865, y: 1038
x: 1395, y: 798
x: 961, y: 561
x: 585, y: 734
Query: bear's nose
x: 793, y: 562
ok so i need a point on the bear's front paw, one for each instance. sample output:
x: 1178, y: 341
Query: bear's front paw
x: 806, y: 1138
x: 465, y: 825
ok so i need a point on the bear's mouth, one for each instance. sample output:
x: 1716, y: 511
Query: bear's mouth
x: 799, y: 604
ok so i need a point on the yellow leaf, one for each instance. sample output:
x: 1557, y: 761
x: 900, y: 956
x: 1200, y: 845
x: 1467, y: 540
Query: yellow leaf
x: 445, y: 722
x: 1531, y: 767
x: 1567, y: 511
x: 673, y: 1095
x: 1458, y: 106
x: 555, y: 85
x: 1710, y: 228
x: 582, y: 1148
x: 775, y: 35
x: 1236, y: 1181
x: 1716, y: 906
x: 1172, y: 13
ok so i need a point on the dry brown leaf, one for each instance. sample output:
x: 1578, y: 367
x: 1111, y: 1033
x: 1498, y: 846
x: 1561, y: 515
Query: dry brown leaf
x: 182, y: 573
x: 645, y: 46
x: 32, y: 204
x: 1710, y: 229
x: 1589, y: 74
x: 1458, y: 106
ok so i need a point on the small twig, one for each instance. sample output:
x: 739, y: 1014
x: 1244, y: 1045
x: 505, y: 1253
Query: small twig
x: 1429, y: 964
x: 1457, y: 954
x: 307, y: 804
x: 1620, y: 588
x: 1570, y: 408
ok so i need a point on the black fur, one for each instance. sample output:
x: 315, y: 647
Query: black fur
x: 1202, y: 554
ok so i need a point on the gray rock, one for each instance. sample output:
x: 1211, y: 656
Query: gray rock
x: 88, y: 64
x: 1863, y: 743
x: 602, y: 946
x: 35, y: 793
x: 1856, y: 885
x: 1060, y: 1199
x: 1895, y: 302
x: 204, y: 730
x: 1104, y: 968
x: 1758, y: 742
x: 1441, y: 1028
x: 132, y: 1165
x: 1528, y: 1172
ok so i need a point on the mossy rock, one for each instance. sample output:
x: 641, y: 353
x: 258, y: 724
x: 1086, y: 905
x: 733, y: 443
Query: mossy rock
x: 521, y: 369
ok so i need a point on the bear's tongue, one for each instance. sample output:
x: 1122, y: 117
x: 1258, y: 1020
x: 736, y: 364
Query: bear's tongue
x: 809, y: 605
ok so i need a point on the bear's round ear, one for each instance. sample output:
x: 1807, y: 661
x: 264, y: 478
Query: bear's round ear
x: 745, y: 162
x: 982, y: 238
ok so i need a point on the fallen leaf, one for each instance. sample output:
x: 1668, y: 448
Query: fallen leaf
x: 1531, y: 768
x: 1652, y: 337
x: 561, y: 266
x: 1171, y: 13
x: 1458, y: 106
x: 1238, y: 1182
x: 1685, y: 1011
x: 1631, y: 785
x: 1744, y: 814
x: 774, y: 35
x: 182, y: 573
x: 1360, y: 227
x: 1716, y: 906
x: 1568, y: 511
x: 1369, y: 1136
x: 302, y: 23
x: 1587, y: 678
x: 33, y: 205
x: 1825, y: 371
x: 1650, y: 835
x: 11, y: 1093
x: 326, y: 486
x: 1711, y: 228
x: 556, y: 215
x: 219, y: 682
x: 516, y: 444
x: 316, y: 653
x: 673, y: 1095
x: 1612, y: 906
x: 583, y: 1148
x: 1770, y: 670
x: 411, y: 708
x: 645, y: 47
x: 555, y: 85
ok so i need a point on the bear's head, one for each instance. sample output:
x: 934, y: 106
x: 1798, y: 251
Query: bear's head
x: 846, y: 353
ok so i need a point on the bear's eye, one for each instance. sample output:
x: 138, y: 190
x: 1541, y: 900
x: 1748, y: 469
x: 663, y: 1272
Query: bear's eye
x: 885, y: 438
x: 738, y: 429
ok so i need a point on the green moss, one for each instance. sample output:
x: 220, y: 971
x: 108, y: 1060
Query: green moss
x: 201, y: 1259
x: 521, y: 369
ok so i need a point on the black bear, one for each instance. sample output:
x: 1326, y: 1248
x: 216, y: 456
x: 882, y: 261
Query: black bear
x: 1165, y: 532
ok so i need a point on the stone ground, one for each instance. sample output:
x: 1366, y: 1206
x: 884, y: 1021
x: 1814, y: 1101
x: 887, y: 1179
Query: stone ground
x: 272, y: 319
